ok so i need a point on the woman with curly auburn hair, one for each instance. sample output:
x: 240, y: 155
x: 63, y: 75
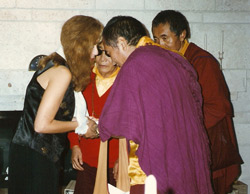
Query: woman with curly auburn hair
x: 49, y: 106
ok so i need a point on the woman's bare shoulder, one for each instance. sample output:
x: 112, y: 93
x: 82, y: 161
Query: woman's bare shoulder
x: 61, y: 71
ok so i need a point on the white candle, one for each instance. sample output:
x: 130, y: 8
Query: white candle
x: 150, y: 185
x: 222, y: 40
x: 205, y: 41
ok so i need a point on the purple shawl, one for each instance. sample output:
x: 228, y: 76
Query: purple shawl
x: 156, y: 102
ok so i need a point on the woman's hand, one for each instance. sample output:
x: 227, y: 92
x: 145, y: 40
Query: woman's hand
x: 76, y: 158
x: 92, y: 131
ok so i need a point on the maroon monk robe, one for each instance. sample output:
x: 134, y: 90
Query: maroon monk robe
x: 218, y: 118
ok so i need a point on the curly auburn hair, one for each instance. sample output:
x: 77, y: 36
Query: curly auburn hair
x: 78, y: 36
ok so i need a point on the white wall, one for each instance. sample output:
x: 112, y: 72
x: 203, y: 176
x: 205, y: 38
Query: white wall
x: 29, y: 28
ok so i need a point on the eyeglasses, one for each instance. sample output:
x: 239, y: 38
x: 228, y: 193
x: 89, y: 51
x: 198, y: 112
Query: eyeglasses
x: 100, y: 52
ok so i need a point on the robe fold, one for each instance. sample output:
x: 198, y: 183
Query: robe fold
x: 156, y: 102
x: 218, y: 114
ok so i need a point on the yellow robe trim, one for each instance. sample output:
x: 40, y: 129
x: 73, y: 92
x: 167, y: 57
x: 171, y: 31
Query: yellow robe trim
x: 184, y: 48
x: 103, y: 84
x: 136, y: 174
x: 145, y: 40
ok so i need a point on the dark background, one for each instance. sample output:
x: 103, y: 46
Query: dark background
x: 8, y: 124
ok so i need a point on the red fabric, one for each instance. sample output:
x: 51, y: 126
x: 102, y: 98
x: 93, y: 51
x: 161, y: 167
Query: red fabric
x: 217, y: 110
x: 85, y: 180
x: 90, y: 147
x: 139, y: 189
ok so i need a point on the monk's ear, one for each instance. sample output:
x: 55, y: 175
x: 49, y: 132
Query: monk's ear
x: 122, y: 43
x: 183, y: 35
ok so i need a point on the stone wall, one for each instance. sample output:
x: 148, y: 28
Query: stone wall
x: 29, y: 28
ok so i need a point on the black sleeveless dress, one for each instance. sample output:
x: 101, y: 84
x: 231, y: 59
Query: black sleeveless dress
x: 34, y: 157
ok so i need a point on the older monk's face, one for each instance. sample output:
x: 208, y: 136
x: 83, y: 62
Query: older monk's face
x: 104, y: 63
x: 118, y: 54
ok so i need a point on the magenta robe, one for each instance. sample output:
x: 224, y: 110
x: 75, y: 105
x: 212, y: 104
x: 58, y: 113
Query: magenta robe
x: 156, y: 102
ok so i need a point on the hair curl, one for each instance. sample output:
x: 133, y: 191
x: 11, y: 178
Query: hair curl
x: 56, y: 59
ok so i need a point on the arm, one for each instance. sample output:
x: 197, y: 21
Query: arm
x: 56, y: 81
x: 76, y: 158
x: 76, y: 155
x: 214, y: 91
